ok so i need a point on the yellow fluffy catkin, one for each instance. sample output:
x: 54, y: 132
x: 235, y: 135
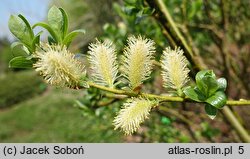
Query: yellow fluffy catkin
x: 174, y: 68
x: 133, y: 113
x: 102, y: 58
x: 138, y: 60
x: 58, y: 66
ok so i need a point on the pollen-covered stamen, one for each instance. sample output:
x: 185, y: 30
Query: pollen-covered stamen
x: 102, y: 57
x: 133, y: 113
x: 138, y: 60
x: 175, y: 70
x: 58, y: 66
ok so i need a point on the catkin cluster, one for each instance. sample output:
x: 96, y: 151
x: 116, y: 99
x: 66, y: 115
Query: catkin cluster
x: 60, y: 67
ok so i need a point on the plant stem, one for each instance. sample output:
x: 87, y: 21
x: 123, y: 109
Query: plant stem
x: 112, y: 90
x: 162, y: 98
x: 173, y: 34
x: 238, y: 127
x: 238, y: 102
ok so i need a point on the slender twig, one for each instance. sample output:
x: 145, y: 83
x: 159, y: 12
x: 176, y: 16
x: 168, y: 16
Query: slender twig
x: 238, y: 127
x: 212, y: 28
x: 163, y: 16
x: 238, y: 102
x: 244, y: 135
x: 162, y: 98
x: 116, y: 96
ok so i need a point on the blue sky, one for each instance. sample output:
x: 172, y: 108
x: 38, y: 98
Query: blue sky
x: 33, y: 10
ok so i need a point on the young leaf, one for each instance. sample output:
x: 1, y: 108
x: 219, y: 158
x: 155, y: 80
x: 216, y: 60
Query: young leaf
x: 194, y: 94
x: 217, y: 100
x: 49, y: 29
x: 15, y: 44
x: 36, y: 40
x: 65, y: 23
x: 56, y: 21
x: 206, y: 82
x: 19, y: 28
x: 18, y: 49
x: 203, y: 73
x: 20, y: 62
x: 68, y: 39
x: 222, y: 83
x: 210, y: 84
x: 211, y: 111
x: 51, y: 40
x: 27, y: 24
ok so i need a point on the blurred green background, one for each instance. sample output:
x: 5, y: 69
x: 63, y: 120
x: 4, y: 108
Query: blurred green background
x: 31, y: 111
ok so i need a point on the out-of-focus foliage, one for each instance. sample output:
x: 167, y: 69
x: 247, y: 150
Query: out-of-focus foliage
x: 164, y: 130
x: 134, y: 19
x: 208, y: 131
x: 5, y: 56
x: 52, y: 118
x: 219, y: 31
x: 88, y: 14
x: 216, y: 29
x: 17, y: 87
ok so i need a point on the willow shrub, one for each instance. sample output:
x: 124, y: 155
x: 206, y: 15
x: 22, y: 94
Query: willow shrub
x: 125, y: 77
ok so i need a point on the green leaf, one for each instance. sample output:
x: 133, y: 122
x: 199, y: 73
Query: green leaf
x: 217, y: 100
x: 15, y: 44
x: 36, y: 40
x: 18, y: 49
x: 27, y: 24
x: 139, y: 17
x: 206, y: 82
x: 130, y: 10
x: 211, y: 111
x: 68, y: 39
x: 210, y: 84
x: 65, y: 23
x: 20, y: 62
x: 49, y: 29
x: 194, y: 94
x: 198, y: 78
x: 56, y: 21
x: 51, y: 40
x: 222, y: 83
x: 20, y: 29
x: 195, y: 7
x: 204, y: 73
